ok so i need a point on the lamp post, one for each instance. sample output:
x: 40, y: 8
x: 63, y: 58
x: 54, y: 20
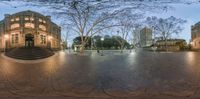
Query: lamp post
x: 102, y: 39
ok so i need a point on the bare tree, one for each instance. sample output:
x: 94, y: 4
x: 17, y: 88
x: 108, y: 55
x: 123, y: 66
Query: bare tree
x: 89, y: 19
x: 166, y: 28
x: 126, y: 21
x: 65, y: 38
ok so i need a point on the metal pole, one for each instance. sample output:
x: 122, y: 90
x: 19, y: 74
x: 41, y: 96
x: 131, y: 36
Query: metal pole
x: 102, y: 47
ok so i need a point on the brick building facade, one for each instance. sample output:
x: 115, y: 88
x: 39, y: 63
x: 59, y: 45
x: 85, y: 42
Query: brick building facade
x: 29, y: 29
x: 195, y: 36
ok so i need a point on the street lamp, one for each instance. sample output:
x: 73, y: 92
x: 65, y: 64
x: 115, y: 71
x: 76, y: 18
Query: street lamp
x: 102, y: 39
x: 5, y: 40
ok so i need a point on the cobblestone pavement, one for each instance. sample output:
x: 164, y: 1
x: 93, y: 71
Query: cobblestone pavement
x: 142, y: 75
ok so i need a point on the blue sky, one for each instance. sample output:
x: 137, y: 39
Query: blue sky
x: 187, y: 12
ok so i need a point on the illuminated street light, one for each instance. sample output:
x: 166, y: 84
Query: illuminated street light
x: 102, y: 39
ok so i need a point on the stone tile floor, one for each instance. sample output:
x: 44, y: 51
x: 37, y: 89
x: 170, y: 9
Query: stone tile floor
x: 141, y: 75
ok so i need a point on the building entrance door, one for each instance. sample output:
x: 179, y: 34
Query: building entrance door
x: 29, y: 40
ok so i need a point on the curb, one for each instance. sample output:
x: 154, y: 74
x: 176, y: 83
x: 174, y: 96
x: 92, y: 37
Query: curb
x: 27, y: 61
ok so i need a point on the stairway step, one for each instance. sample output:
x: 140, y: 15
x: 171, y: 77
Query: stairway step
x: 30, y: 53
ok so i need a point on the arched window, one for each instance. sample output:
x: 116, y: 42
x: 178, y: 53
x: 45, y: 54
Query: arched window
x: 42, y: 39
x: 15, y: 38
x: 42, y: 27
x: 29, y: 25
x: 13, y: 26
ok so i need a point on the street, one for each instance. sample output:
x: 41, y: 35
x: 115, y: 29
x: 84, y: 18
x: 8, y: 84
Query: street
x: 117, y: 76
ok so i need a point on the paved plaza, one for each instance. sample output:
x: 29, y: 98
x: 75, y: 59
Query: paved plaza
x: 141, y: 75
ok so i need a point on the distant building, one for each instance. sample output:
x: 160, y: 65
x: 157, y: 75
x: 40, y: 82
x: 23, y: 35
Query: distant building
x: 171, y: 44
x: 29, y: 29
x: 195, y: 36
x: 145, y: 37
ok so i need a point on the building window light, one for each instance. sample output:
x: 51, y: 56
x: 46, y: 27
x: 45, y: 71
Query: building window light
x: 12, y: 20
x: 42, y: 27
x: 17, y: 19
x: 40, y: 20
x: 13, y: 26
x: 26, y: 18
x: 29, y: 25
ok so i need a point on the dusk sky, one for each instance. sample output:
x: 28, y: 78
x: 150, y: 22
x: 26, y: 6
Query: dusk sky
x: 187, y: 12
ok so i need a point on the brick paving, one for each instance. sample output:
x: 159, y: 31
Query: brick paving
x: 142, y: 75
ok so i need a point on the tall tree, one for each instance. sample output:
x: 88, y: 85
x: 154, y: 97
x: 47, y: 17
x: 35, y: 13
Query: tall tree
x: 89, y: 19
x: 165, y: 28
x: 127, y: 21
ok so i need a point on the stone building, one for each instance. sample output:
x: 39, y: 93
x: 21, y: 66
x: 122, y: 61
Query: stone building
x: 29, y: 29
x: 195, y: 36
x: 145, y: 37
x: 171, y: 44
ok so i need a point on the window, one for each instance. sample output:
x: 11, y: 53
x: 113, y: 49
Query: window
x: 42, y: 27
x: 40, y: 20
x: 29, y: 18
x: 29, y: 25
x: 12, y: 20
x: 32, y: 19
x: 17, y: 19
x: 15, y: 38
x: 13, y: 26
x: 42, y: 39
x: 26, y: 18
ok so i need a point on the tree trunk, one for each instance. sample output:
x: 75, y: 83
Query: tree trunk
x: 82, y: 47
x: 121, y: 48
x: 166, y: 49
x: 121, y: 51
